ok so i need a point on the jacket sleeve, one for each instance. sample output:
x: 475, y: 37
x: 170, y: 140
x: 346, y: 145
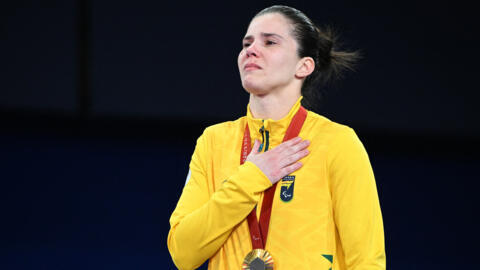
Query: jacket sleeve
x: 356, y: 207
x: 203, y: 219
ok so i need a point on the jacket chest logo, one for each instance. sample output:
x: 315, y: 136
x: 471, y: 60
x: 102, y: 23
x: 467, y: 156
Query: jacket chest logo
x: 286, y: 190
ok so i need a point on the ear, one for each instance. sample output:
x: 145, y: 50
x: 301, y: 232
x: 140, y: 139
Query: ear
x: 306, y: 65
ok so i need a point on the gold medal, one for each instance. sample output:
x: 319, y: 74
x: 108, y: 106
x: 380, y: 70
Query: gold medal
x: 258, y: 259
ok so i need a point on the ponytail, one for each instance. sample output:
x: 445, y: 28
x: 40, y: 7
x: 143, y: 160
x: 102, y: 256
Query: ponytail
x: 331, y: 63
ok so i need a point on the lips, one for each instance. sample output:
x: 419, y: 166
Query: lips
x: 251, y: 66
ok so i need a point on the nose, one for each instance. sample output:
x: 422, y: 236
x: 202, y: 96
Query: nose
x: 251, y: 50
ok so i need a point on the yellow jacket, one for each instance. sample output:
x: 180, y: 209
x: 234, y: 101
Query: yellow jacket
x: 324, y: 215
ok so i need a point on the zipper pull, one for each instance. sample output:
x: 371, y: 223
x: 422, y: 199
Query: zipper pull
x: 265, y: 138
x: 262, y: 129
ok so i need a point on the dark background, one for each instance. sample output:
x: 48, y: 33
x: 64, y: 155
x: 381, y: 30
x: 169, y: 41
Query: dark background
x: 101, y: 104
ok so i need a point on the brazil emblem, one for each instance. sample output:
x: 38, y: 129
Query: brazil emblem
x: 286, y: 191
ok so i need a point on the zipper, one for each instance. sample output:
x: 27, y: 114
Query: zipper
x: 265, y: 138
x: 265, y: 142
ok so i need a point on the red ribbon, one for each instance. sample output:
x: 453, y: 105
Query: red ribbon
x: 259, y: 230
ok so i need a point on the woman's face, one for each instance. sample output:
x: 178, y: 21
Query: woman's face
x: 269, y: 59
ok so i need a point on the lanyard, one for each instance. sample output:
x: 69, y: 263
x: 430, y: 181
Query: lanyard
x: 259, y: 229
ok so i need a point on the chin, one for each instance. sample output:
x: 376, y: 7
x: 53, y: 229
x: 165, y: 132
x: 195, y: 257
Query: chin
x: 254, y: 88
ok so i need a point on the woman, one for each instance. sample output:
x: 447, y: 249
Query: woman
x: 325, y: 211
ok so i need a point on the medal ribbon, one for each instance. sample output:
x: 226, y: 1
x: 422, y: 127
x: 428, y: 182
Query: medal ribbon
x: 259, y: 229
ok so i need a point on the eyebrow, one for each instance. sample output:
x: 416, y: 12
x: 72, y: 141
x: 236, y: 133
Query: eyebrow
x: 249, y: 37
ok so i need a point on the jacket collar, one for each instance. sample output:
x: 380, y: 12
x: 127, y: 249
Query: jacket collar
x: 276, y: 128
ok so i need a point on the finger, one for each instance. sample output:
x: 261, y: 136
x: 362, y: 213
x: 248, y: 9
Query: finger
x: 290, y: 169
x: 293, y: 141
x: 299, y: 146
x: 293, y: 158
x: 285, y: 145
x: 294, y: 148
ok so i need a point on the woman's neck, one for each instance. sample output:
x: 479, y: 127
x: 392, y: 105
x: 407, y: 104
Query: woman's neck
x: 273, y: 105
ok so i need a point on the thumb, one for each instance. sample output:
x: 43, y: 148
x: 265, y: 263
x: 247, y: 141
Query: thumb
x: 255, y: 147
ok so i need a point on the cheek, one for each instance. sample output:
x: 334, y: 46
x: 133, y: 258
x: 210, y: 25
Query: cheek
x: 241, y: 54
x: 285, y: 64
x: 291, y: 63
x: 239, y: 64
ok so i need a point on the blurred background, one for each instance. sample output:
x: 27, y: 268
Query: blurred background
x: 101, y: 104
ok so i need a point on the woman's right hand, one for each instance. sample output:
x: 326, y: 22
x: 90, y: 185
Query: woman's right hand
x: 281, y: 160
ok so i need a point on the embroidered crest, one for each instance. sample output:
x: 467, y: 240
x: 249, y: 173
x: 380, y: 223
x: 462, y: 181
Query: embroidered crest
x: 286, y: 190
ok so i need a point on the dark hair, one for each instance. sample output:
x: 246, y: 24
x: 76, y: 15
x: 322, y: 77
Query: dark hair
x: 322, y: 46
